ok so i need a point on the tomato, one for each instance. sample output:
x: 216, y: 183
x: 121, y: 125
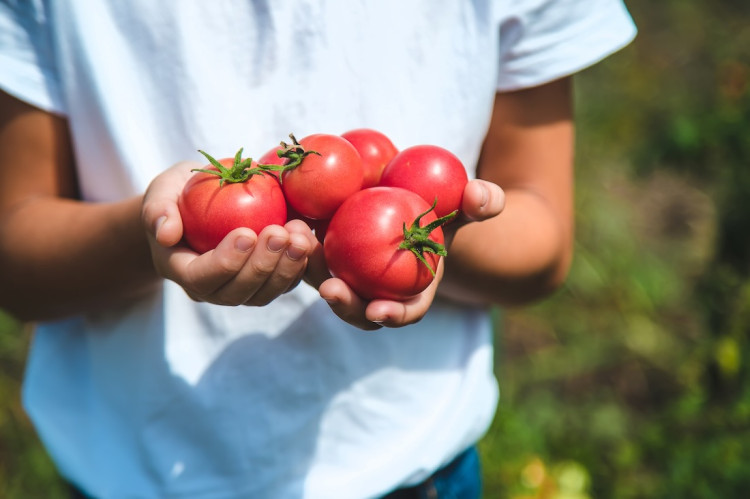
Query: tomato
x: 430, y: 171
x: 365, y: 243
x: 211, y: 205
x: 323, y: 179
x: 375, y: 149
x: 318, y: 226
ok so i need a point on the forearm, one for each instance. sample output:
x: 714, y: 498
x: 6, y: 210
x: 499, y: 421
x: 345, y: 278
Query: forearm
x: 524, y: 253
x: 515, y: 258
x: 60, y: 257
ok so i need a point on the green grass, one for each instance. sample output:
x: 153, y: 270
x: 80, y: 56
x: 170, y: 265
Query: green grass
x: 26, y: 470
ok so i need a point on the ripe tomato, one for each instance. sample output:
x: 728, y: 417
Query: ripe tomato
x: 375, y: 149
x: 430, y: 171
x: 364, y: 244
x: 322, y: 181
x: 211, y: 206
x: 318, y: 226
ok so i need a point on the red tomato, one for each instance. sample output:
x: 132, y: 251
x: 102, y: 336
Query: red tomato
x: 318, y: 226
x: 362, y: 244
x: 211, y: 209
x: 430, y: 171
x: 324, y: 180
x: 375, y: 149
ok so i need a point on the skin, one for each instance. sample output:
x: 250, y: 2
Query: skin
x: 525, y: 253
x: 60, y: 256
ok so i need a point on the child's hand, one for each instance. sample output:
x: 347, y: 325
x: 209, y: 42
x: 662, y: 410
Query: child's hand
x: 481, y: 200
x: 245, y: 268
x: 377, y: 313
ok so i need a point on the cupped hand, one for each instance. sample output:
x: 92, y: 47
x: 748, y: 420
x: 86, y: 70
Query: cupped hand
x: 481, y: 200
x: 374, y: 314
x: 245, y: 268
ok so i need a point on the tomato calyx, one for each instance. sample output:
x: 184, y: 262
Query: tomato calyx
x: 240, y: 171
x: 417, y: 239
x: 294, y: 152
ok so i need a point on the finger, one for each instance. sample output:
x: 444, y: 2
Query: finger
x: 243, y: 277
x: 202, y: 275
x: 346, y: 304
x: 297, y: 226
x: 290, y: 264
x: 159, y: 213
x: 482, y: 200
x: 170, y: 263
x: 316, y: 270
x: 162, y: 221
x: 402, y: 313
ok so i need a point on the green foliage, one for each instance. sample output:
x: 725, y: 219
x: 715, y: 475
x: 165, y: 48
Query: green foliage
x: 25, y: 469
x: 636, y: 374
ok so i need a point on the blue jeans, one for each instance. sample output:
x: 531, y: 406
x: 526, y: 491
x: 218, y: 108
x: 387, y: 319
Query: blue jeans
x: 459, y: 479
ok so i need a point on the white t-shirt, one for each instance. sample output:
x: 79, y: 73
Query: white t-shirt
x: 170, y: 398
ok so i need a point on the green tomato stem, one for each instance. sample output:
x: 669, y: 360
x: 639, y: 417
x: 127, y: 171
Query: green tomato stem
x: 240, y: 171
x: 294, y: 152
x: 417, y: 239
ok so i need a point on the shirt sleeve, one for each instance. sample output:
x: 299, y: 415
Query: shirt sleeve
x: 543, y: 40
x: 28, y: 68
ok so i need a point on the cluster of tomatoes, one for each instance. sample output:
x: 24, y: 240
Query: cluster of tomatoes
x: 378, y: 211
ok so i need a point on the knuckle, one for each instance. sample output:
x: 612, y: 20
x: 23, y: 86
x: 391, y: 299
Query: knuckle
x: 262, y: 269
x: 194, y: 296
x: 197, y: 292
x: 149, y: 215
x: 197, y: 287
x: 151, y: 210
x: 229, y: 264
x: 289, y: 274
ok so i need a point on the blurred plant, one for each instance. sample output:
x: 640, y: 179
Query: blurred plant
x: 25, y: 469
x: 639, y: 370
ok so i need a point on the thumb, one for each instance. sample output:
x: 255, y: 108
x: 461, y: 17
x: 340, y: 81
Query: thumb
x: 159, y: 211
x: 482, y: 200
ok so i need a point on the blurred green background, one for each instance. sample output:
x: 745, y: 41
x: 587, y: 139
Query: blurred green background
x: 633, y: 381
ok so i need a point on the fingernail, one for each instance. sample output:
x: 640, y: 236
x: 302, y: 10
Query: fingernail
x: 159, y: 222
x: 276, y: 244
x: 243, y: 244
x: 380, y: 321
x: 295, y: 253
